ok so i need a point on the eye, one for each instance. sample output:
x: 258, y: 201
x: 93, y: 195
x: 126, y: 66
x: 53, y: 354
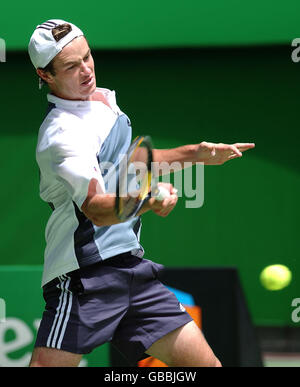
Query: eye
x: 87, y: 56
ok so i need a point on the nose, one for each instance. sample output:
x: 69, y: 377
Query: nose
x: 85, y: 70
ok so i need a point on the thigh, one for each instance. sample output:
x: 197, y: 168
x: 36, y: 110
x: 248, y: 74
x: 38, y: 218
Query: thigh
x: 184, y: 347
x: 52, y: 357
x: 154, y: 311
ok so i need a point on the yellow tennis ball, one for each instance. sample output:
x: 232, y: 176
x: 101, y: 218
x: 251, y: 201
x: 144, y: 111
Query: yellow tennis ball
x: 275, y: 277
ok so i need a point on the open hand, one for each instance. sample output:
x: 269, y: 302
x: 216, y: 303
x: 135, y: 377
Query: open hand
x: 216, y: 154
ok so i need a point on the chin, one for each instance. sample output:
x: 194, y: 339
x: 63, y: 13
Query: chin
x: 86, y: 95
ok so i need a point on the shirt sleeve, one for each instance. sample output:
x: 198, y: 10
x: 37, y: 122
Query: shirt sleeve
x: 74, y: 162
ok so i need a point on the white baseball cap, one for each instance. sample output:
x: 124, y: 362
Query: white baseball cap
x: 43, y: 47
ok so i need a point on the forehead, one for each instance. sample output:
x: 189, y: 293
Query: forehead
x: 73, y: 51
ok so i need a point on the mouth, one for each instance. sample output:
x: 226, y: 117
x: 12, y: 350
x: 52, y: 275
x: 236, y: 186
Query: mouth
x: 88, y: 81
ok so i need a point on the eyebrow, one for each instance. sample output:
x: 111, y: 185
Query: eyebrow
x: 75, y: 62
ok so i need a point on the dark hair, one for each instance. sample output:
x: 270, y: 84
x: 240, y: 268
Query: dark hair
x: 58, y: 33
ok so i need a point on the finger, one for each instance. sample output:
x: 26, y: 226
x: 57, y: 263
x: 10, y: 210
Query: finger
x: 174, y: 200
x: 168, y: 204
x: 163, y: 212
x: 244, y: 149
x: 236, y: 151
x: 238, y: 144
x: 166, y: 212
x: 170, y: 201
x: 245, y: 146
x: 174, y: 191
x: 234, y: 156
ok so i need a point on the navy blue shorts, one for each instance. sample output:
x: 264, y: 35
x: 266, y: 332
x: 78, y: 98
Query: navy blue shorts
x: 119, y: 300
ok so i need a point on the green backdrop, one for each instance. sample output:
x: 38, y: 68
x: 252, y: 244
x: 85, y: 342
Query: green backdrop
x: 168, y: 23
x: 184, y: 72
x: 250, y: 214
x: 19, y: 288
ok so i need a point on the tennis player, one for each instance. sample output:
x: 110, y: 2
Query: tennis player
x: 97, y: 286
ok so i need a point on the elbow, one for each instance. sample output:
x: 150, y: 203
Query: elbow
x: 106, y: 221
x: 98, y: 220
x: 100, y: 210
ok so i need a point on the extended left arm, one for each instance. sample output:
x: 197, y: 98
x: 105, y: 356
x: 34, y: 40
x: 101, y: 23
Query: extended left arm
x: 206, y: 152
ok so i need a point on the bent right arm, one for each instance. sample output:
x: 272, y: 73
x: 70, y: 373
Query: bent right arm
x: 100, y: 207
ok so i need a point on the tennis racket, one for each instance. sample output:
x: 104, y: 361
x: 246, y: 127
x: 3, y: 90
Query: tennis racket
x: 135, y: 183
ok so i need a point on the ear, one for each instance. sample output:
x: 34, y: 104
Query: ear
x: 45, y: 75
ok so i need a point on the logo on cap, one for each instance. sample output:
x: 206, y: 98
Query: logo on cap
x: 48, y: 25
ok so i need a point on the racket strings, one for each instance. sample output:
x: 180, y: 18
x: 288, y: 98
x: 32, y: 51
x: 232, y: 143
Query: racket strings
x: 135, y: 177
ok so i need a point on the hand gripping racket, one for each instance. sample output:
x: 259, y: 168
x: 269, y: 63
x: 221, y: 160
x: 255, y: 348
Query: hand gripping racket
x: 134, y: 180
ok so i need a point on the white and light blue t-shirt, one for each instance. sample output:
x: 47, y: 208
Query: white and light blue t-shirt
x: 75, y: 139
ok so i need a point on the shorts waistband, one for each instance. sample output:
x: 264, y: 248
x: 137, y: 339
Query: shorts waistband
x: 122, y: 260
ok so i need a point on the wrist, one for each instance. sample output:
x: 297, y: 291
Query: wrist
x: 202, y: 152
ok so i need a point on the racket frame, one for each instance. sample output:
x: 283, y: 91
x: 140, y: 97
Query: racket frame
x: 145, y: 195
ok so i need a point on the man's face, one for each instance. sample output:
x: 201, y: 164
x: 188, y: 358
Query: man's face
x: 74, y: 77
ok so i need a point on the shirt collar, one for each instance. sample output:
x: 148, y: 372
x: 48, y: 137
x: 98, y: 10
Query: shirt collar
x: 70, y: 104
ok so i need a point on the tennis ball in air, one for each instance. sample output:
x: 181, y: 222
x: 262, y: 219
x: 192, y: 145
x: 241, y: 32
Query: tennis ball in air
x: 275, y: 277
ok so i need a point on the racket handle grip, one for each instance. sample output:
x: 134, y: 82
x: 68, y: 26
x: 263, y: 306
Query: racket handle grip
x: 161, y: 193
